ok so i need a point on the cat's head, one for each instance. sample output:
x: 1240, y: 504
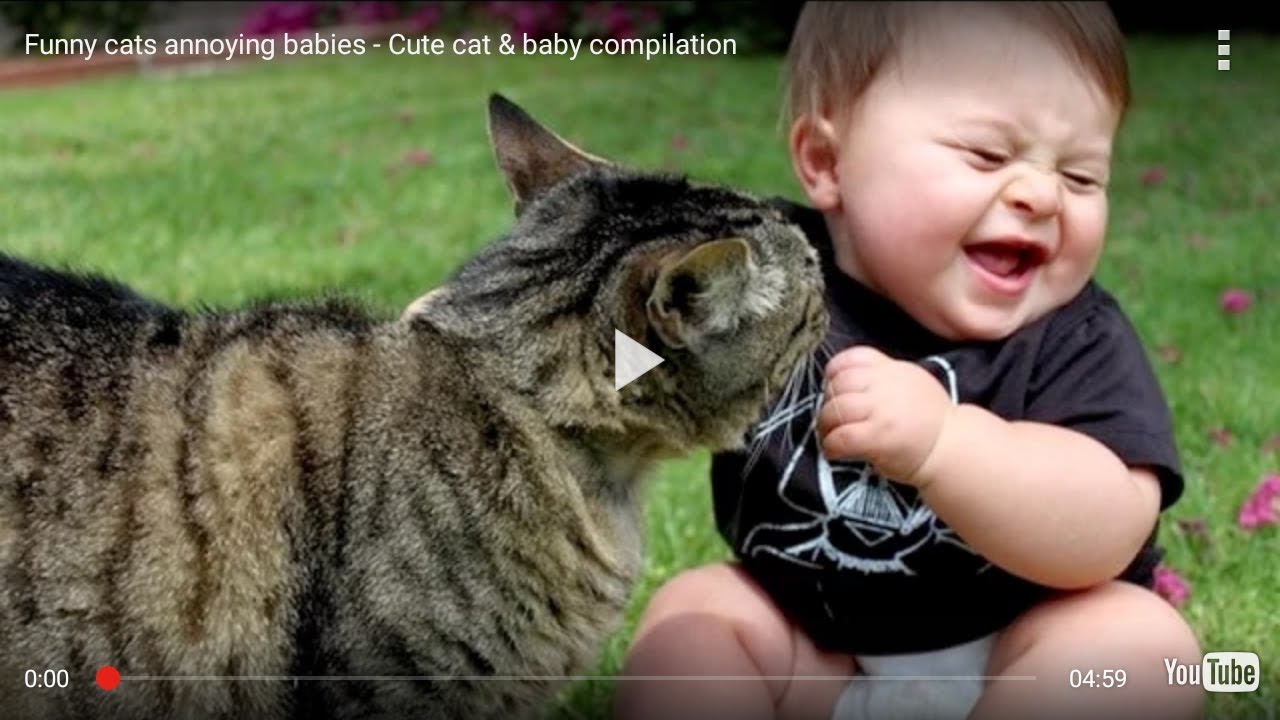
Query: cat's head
x: 718, y: 283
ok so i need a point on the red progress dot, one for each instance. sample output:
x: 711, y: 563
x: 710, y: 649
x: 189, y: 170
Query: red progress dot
x: 108, y: 677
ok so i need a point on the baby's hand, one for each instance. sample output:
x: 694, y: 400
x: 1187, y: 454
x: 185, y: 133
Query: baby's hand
x: 888, y: 412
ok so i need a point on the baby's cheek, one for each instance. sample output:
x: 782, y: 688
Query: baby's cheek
x: 1085, y: 217
x: 1083, y: 234
x: 888, y: 215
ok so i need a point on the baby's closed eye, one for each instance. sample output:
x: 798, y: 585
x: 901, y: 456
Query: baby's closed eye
x: 1082, y: 180
x: 994, y: 158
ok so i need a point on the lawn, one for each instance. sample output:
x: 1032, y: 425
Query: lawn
x: 373, y: 175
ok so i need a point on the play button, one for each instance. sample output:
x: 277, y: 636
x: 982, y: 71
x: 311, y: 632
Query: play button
x: 630, y: 359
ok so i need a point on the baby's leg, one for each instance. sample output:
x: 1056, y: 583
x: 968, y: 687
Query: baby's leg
x: 711, y: 644
x: 1113, y: 628
x: 937, y: 685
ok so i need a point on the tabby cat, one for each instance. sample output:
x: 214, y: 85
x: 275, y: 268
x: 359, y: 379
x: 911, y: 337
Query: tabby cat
x: 299, y: 489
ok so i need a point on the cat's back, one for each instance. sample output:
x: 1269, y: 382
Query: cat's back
x: 26, y: 283
x: 67, y: 342
x: 149, y: 458
x: 45, y: 312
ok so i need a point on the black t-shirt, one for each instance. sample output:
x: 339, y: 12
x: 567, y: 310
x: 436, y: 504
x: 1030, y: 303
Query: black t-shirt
x: 859, y: 560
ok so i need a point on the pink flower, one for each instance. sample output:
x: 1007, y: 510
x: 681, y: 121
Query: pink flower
x: 1261, y: 507
x: 1153, y: 176
x: 1170, y: 585
x: 1235, y: 301
x: 418, y: 157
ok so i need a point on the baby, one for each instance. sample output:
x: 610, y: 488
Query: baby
x: 952, y: 513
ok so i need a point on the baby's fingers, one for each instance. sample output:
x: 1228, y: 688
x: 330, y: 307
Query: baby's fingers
x: 841, y: 410
x: 847, y: 441
x: 854, y: 357
x: 850, y: 379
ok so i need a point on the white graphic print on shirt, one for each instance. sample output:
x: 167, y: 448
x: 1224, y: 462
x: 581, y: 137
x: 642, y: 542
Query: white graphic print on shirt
x: 859, y: 520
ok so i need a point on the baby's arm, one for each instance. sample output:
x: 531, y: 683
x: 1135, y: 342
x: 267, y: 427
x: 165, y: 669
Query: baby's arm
x: 1044, y: 502
x: 1047, y: 503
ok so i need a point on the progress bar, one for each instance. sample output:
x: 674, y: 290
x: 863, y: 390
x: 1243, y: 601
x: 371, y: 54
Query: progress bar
x: 509, y: 678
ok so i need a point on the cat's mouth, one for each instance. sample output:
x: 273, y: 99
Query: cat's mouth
x: 803, y: 339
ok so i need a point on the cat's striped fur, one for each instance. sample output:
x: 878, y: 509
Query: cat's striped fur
x: 295, y: 489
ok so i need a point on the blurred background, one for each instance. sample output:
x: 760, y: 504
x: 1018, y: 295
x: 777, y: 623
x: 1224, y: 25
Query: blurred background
x: 200, y: 180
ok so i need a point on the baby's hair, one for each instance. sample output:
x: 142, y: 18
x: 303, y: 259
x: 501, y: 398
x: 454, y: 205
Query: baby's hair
x: 838, y: 47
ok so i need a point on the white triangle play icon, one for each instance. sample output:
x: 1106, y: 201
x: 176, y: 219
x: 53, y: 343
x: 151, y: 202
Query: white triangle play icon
x: 630, y: 359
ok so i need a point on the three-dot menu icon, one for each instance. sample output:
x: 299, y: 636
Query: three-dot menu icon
x: 1224, y: 50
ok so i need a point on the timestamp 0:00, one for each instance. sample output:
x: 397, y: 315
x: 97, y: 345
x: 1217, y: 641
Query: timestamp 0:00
x: 1105, y: 678
x: 46, y: 679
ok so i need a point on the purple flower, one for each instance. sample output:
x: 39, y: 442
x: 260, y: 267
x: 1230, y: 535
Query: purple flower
x: 1153, y: 176
x: 425, y: 18
x: 275, y: 18
x: 619, y: 20
x: 1171, y: 586
x: 530, y: 19
x: 371, y: 12
x: 1260, y: 508
x: 1235, y: 301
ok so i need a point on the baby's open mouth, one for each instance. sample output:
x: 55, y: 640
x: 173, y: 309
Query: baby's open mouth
x: 1006, y: 259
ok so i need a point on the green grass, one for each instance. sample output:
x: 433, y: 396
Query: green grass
x: 287, y: 178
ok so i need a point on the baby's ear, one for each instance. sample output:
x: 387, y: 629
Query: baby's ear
x: 815, y: 151
x: 702, y: 292
x: 532, y: 158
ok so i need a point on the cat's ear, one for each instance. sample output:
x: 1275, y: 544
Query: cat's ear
x: 702, y: 292
x: 532, y: 158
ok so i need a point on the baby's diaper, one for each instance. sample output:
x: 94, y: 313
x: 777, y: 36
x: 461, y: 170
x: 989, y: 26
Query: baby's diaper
x: 937, y: 685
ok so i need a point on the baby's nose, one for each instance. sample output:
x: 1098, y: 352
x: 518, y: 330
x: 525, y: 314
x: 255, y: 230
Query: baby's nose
x: 1034, y: 192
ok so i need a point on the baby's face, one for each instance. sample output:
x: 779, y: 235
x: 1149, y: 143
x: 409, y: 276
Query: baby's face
x: 971, y: 179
